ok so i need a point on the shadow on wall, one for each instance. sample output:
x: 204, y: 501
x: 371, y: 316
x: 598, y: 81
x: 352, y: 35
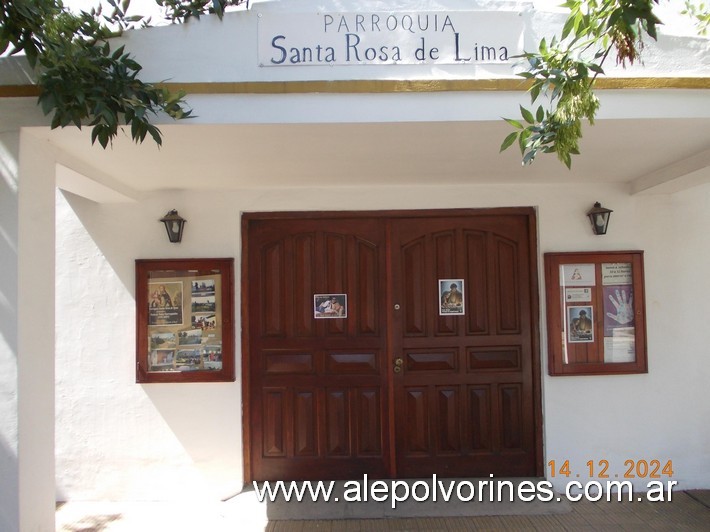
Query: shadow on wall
x: 82, y: 523
x: 9, y: 498
x: 204, y: 457
x: 8, y: 487
x: 106, y: 226
x: 8, y: 248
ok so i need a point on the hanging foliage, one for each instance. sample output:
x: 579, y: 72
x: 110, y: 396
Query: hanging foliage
x: 82, y: 80
x: 562, y: 73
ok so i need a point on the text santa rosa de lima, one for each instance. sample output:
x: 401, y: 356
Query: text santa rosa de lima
x: 389, y: 38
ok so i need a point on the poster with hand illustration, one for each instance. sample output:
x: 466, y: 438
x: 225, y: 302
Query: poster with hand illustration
x: 618, y: 308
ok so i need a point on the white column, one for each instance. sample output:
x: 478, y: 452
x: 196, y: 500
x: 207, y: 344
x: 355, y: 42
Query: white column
x: 9, y: 147
x: 35, y: 315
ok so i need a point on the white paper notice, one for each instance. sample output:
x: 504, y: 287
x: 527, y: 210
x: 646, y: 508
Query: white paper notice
x: 577, y: 295
x: 616, y: 273
x: 621, y: 346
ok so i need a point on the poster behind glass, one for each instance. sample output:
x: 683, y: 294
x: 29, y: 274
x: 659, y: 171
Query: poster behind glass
x: 584, y: 303
x: 184, y: 322
x: 619, y: 323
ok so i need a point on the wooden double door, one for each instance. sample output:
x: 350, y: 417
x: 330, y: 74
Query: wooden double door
x: 396, y: 382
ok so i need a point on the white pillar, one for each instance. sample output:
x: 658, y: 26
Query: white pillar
x: 35, y: 316
x: 9, y: 506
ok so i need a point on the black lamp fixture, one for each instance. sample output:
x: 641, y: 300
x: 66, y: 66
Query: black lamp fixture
x: 599, y: 216
x: 174, y: 224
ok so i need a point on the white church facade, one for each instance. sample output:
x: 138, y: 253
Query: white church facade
x: 343, y: 164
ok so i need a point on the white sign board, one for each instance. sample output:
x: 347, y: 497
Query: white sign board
x: 382, y: 38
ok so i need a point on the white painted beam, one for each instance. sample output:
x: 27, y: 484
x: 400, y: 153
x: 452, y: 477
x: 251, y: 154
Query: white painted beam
x: 680, y: 175
x: 77, y: 183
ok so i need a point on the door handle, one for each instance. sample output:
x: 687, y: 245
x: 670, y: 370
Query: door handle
x: 398, y: 362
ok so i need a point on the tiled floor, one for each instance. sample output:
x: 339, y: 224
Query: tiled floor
x: 688, y: 511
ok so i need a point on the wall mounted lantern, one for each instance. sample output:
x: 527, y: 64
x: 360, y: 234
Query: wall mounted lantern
x: 174, y: 224
x: 599, y: 216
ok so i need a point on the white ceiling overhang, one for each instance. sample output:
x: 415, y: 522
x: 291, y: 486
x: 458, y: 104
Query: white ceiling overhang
x: 372, y: 125
x: 399, y: 140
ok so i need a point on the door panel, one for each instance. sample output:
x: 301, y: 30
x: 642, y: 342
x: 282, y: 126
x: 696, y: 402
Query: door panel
x: 476, y: 314
x: 328, y: 398
x: 317, y: 386
x: 463, y: 403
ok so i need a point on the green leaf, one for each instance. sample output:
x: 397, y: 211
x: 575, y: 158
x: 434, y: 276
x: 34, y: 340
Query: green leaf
x: 567, y: 159
x: 508, y: 142
x: 47, y: 102
x: 540, y: 114
x: 117, y: 54
x: 651, y: 30
x: 528, y: 158
x: 103, y: 138
x: 596, y: 68
x: 614, y: 17
x: 556, y: 92
x: 514, y: 123
x: 218, y: 8
x: 543, y: 46
x: 568, y: 27
x: 534, y: 92
x: 523, y: 140
x: 155, y: 133
x: 527, y: 115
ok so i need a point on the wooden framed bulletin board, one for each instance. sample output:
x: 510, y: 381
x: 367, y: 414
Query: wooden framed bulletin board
x: 596, y: 315
x: 184, y: 320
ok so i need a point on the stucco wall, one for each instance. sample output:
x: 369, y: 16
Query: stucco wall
x: 121, y: 440
x: 659, y: 415
x: 118, y: 439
